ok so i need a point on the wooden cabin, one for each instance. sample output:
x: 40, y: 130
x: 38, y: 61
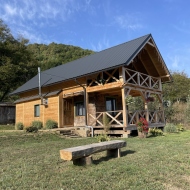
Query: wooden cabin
x: 84, y: 91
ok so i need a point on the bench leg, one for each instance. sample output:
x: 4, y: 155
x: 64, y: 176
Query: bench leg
x: 83, y: 161
x: 114, y: 153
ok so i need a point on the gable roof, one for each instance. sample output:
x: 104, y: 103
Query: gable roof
x: 110, y: 58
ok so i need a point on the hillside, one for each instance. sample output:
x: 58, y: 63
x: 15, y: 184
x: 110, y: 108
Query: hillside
x: 54, y: 54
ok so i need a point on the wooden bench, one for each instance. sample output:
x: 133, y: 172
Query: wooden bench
x: 81, y: 155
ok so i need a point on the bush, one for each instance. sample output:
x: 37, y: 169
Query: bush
x: 19, y: 126
x: 51, y: 124
x: 31, y: 129
x: 155, y: 132
x: 170, y: 128
x: 102, y: 138
x: 37, y: 124
x: 180, y: 127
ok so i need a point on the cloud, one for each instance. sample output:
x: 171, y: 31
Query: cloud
x: 10, y: 10
x: 183, y: 29
x: 175, y: 61
x: 29, y: 17
x: 128, y: 22
x: 101, y: 45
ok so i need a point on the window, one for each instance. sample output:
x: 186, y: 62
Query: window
x: 111, y: 105
x: 36, y: 110
x: 80, y: 110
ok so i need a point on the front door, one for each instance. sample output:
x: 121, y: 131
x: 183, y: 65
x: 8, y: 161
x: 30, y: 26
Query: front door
x: 68, y: 112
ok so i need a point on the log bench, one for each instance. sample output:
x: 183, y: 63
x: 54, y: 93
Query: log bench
x: 81, y: 155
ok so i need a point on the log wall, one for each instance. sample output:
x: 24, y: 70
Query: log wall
x: 25, y: 111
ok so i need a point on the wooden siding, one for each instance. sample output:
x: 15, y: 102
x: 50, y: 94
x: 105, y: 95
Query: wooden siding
x: 19, y: 113
x: 25, y: 111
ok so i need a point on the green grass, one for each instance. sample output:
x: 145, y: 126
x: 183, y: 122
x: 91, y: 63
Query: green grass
x: 7, y: 127
x: 32, y: 161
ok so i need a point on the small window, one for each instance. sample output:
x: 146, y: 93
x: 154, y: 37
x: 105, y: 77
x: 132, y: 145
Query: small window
x: 80, y: 110
x: 37, y: 111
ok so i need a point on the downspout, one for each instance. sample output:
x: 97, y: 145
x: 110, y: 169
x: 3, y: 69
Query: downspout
x: 85, y: 106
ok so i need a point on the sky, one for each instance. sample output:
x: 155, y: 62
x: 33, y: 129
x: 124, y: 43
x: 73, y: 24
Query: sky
x: 100, y: 24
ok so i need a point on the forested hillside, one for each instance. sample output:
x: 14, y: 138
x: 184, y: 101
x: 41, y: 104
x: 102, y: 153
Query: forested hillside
x: 54, y: 54
x: 19, y: 60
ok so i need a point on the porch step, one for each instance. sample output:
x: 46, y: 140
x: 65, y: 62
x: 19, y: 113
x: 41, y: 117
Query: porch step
x: 68, y: 133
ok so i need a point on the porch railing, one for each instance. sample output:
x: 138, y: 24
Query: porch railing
x: 115, y: 118
x: 140, y: 79
x: 156, y: 116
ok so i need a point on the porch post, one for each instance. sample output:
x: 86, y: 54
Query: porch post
x: 146, y: 109
x: 86, y: 104
x: 125, y: 118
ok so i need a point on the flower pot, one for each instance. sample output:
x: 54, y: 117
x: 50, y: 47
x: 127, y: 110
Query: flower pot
x: 142, y: 134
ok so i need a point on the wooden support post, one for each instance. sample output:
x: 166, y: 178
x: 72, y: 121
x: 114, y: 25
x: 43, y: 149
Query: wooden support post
x: 146, y: 109
x: 125, y: 116
x: 87, y: 108
x: 83, y: 161
x: 116, y: 153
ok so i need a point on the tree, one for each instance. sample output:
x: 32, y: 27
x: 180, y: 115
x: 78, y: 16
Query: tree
x: 178, y: 90
x: 16, y: 62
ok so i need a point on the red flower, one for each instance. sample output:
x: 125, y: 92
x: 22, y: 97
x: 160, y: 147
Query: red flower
x: 142, y: 125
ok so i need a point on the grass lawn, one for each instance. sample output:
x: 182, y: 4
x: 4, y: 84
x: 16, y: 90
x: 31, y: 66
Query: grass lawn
x: 7, y: 127
x: 33, y: 162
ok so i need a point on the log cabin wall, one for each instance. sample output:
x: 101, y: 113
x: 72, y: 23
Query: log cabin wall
x: 25, y: 111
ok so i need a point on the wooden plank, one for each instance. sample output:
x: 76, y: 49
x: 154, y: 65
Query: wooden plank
x: 86, y: 150
x: 110, y: 132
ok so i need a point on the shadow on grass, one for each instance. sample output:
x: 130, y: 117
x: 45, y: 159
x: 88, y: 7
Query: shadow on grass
x: 153, y: 136
x: 106, y: 158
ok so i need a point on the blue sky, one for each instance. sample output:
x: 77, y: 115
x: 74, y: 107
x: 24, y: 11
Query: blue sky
x: 100, y: 24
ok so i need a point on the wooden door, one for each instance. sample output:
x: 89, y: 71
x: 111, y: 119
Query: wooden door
x: 68, y: 112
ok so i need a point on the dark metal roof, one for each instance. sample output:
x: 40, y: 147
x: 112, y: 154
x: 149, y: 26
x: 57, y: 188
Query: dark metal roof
x: 103, y: 60
x: 54, y: 93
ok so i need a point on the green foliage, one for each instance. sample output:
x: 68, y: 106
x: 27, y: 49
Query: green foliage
x: 178, y: 90
x: 187, y: 111
x: 51, y: 124
x: 19, y: 126
x: 180, y: 127
x: 16, y: 63
x: 106, y: 122
x: 170, y: 128
x: 19, y: 61
x: 102, y: 138
x: 134, y: 103
x: 155, y: 131
x: 37, y: 124
x: 52, y: 55
x: 31, y: 129
x: 130, y: 100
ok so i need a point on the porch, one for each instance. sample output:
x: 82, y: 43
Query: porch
x: 116, y: 122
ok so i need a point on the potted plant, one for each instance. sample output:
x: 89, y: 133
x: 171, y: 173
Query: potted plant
x: 142, y: 127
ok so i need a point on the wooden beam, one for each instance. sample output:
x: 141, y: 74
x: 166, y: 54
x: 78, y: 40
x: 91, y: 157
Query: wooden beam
x: 86, y: 150
x: 104, y: 87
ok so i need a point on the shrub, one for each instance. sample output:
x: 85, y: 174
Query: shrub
x: 155, y: 132
x: 180, y: 127
x: 37, y: 124
x: 19, y: 126
x: 31, y: 129
x: 102, y: 138
x: 170, y: 128
x: 106, y: 122
x: 51, y: 124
